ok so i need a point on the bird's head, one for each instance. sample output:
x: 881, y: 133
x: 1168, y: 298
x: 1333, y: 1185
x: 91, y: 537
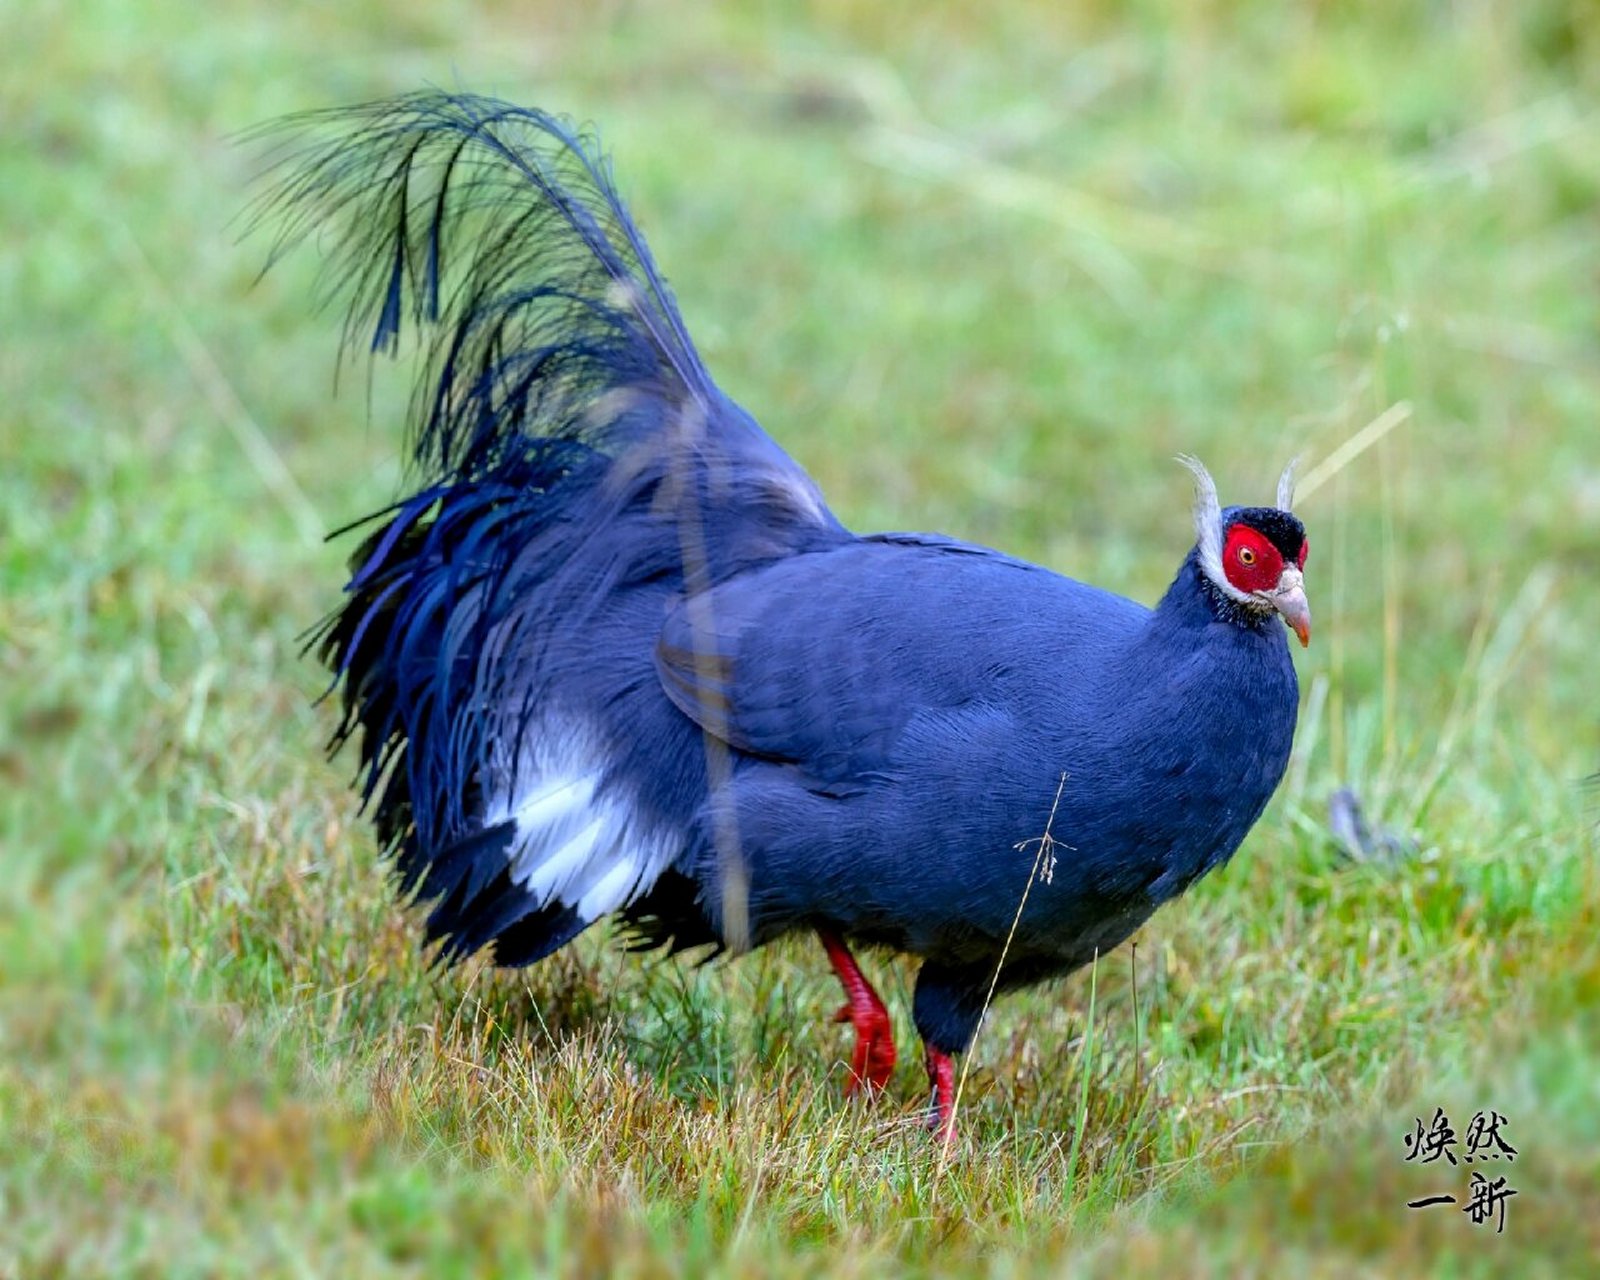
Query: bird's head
x: 1254, y: 557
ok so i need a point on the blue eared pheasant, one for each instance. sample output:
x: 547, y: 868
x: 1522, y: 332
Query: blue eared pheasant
x: 613, y: 654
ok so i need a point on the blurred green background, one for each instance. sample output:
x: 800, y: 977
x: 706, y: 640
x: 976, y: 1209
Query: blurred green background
x: 983, y: 268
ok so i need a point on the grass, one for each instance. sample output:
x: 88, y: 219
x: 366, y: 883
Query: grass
x: 984, y: 270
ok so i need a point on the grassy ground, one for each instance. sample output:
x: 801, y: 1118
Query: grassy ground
x: 983, y: 269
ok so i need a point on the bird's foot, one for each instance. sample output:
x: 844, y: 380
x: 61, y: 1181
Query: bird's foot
x: 872, y: 1062
x: 942, y: 1083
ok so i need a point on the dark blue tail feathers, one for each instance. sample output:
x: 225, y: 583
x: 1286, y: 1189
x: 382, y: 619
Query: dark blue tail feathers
x: 567, y: 446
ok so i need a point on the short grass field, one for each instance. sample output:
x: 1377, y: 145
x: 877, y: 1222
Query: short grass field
x: 983, y: 268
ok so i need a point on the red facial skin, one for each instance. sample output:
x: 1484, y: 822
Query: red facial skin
x: 1251, y: 562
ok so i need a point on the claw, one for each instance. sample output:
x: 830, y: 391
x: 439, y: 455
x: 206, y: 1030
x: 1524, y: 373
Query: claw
x: 942, y: 1105
x: 872, y: 1061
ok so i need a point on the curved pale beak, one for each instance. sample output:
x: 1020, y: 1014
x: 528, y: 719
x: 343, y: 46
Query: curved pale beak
x: 1289, y: 599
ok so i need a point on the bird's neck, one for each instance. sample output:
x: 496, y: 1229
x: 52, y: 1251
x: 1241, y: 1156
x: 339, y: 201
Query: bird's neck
x: 1194, y: 601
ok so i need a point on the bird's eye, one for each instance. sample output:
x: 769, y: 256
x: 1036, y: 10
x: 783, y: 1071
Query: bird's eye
x: 1247, y: 557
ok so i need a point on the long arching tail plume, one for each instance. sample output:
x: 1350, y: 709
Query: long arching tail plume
x: 566, y: 442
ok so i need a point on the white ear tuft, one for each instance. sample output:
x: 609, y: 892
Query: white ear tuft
x: 1207, y: 518
x: 1208, y: 528
x: 1286, y: 485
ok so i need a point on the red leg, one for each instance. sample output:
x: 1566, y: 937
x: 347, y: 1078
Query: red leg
x: 873, y: 1060
x: 942, y: 1080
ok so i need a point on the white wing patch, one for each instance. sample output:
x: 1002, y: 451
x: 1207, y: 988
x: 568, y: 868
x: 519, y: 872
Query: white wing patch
x: 572, y: 845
